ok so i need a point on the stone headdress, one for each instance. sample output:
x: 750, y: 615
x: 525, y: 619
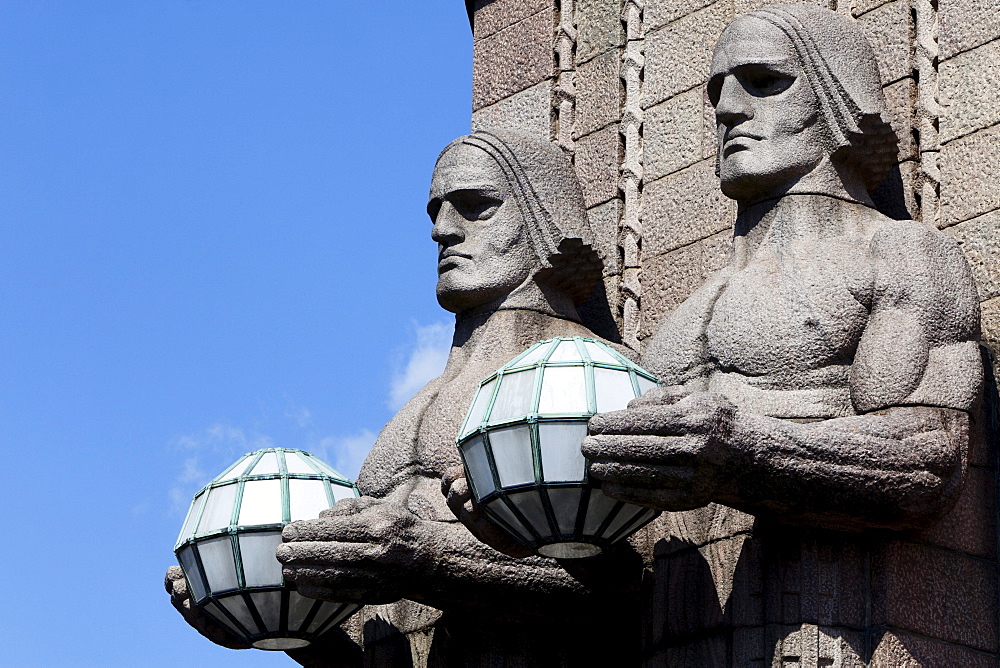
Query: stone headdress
x: 843, y: 73
x: 551, y: 203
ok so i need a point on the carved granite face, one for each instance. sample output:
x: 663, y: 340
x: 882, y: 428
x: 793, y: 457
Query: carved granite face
x: 483, y: 249
x: 767, y: 116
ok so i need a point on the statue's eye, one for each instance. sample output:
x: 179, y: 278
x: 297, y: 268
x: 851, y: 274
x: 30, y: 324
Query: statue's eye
x: 763, y: 83
x: 434, y: 208
x: 475, y: 204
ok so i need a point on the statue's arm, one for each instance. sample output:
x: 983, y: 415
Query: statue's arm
x: 897, y: 463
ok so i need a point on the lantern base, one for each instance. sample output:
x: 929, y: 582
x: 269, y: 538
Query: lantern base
x: 569, y: 550
x: 281, y: 644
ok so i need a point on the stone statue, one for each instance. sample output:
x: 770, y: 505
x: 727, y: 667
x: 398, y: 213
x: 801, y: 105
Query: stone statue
x: 515, y: 260
x: 821, y: 382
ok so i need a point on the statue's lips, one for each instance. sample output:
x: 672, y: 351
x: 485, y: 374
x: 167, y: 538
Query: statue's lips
x: 450, y: 261
x: 738, y: 142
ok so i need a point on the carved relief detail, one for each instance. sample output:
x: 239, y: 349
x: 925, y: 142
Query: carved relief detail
x: 928, y: 109
x: 564, y: 95
x: 630, y: 184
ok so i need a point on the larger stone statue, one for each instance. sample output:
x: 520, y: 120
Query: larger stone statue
x: 514, y: 261
x: 822, y: 381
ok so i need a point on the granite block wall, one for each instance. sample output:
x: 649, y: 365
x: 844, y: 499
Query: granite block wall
x: 620, y: 84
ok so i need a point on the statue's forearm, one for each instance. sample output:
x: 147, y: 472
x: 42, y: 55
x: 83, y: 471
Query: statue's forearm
x: 895, y: 469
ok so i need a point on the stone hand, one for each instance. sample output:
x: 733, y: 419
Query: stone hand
x: 455, y: 487
x: 670, y: 449
x: 361, y: 550
x: 176, y: 586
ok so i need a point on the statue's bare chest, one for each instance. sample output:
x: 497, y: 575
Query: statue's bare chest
x: 785, y: 313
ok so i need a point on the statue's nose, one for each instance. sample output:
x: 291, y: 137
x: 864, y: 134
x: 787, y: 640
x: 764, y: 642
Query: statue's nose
x: 448, y: 228
x: 735, y: 103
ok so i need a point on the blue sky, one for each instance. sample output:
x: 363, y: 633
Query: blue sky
x: 212, y: 239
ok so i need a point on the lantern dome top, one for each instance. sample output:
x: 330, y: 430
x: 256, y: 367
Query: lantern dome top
x: 581, y: 377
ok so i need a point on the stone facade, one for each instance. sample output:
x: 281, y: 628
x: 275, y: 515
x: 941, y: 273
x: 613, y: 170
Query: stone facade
x: 644, y: 144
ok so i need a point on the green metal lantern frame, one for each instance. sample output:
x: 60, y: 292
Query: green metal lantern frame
x: 320, y: 617
x: 585, y: 537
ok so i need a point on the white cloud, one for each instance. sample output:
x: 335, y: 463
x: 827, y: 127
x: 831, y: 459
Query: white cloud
x: 345, y: 453
x: 425, y: 361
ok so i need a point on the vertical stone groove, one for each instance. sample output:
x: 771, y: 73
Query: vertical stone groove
x: 630, y: 240
x: 928, y: 109
x: 565, y: 89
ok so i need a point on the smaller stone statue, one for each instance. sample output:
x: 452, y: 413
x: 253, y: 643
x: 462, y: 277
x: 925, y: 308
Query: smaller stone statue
x: 515, y: 259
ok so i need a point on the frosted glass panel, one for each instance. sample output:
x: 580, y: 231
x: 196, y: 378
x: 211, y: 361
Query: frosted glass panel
x: 298, y: 609
x: 192, y: 517
x: 561, y: 456
x: 478, y: 409
x: 237, y: 469
x: 645, y: 385
x: 307, y: 498
x: 323, y: 616
x: 565, y: 504
x: 296, y: 464
x: 624, y: 516
x: 501, y: 509
x: 217, y: 613
x: 478, y: 467
x: 566, y: 352
x: 613, y: 389
x: 514, y: 398
x: 535, y: 355
x: 598, y: 508
x: 218, y: 508
x: 345, y: 611
x: 512, y: 454
x: 342, y: 492
x: 261, y: 502
x: 260, y: 566
x: 220, y: 567
x: 238, y: 608
x: 193, y: 573
x: 268, y: 604
x: 564, y: 390
x: 599, y: 354
x: 267, y: 465
x: 530, y: 506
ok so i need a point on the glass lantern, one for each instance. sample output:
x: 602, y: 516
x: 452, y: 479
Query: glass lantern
x: 520, y: 444
x: 227, y: 547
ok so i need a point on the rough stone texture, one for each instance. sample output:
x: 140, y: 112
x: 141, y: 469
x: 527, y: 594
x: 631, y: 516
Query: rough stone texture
x: 674, y: 134
x: 969, y: 83
x: 859, y: 7
x: 678, y: 55
x: 597, y: 163
x: 598, y: 26
x: 598, y: 94
x: 991, y: 321
x: 687, y: 206
x: 970, y: 176
x: 888, y: 31
x: 528, y: 112
x: 662, y: 12
x: 965, y: 24
x: 899, y: 100
x: 515, y: 58
x: 668, y: 279
x: 970, y: 526
x: 604, y: 221
x: 898, y: 649
x: 491, y: 16
x: 950, y: 596
x: 980, y: 240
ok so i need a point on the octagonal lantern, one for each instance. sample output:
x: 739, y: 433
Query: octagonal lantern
x: 227, y: 547
x: 520, y: 444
